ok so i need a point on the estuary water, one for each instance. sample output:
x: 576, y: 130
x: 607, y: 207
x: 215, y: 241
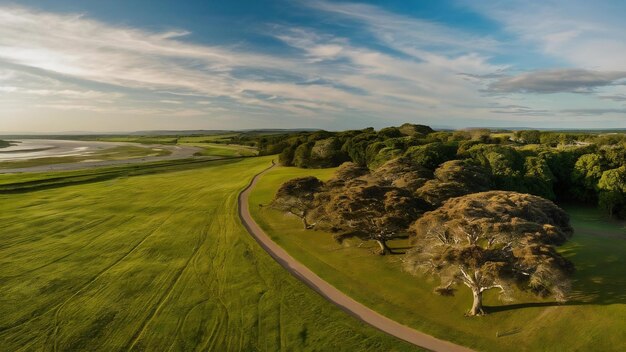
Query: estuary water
x: 43, y: 148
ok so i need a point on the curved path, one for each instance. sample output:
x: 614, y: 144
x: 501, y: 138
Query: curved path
x: 331, y: 293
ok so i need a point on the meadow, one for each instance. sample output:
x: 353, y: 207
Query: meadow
x: 153, y: 259
x: 593, y: 319
x: 212, y: 145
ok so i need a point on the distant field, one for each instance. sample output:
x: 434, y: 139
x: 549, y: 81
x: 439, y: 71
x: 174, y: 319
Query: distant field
x: 156, y: 263
x: 140, y: 139
x: 212, y: 145
x: 592, y: 321
x: 207, y: 139
x: 224, y: 150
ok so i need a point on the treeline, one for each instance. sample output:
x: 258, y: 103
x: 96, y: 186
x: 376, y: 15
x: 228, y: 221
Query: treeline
x: 584, y: 167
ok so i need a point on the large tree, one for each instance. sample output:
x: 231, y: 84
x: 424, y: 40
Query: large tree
x: 612, y: 187
x: 370, y: 212
x: 297, y: 197
x: 402, y: 173
x: 455, y: 178
x: 493, y: 240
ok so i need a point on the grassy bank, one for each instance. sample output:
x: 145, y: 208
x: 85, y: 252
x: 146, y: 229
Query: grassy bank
x: 592, y: 320
x: 154, y: 262
x: 5, y: 144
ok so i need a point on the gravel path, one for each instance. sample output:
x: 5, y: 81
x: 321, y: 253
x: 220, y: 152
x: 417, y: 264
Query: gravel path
x: 331, y: 293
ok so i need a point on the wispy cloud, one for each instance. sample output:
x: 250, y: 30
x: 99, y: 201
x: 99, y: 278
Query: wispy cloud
x: 331, y: 76
x: 594, y: 112
x: 557, y: 81
x: 400, y: 68
x: 412, y: 36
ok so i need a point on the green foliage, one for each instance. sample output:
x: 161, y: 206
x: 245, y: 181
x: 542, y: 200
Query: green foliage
x: 385, y: 154
x: 564, y: 166
x: 285, y: 157
x: 612, y: 187
x: 390, y: 132
x: 586, y: 174
x: 431, y: 155
x: 411, y: 130
x: 528, y: 136
x: 538, y: 178
x: 506, y: 165
x: 356, y: 147
x: 302, y: 155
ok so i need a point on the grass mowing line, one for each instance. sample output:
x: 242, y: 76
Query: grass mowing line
x: 70, y: 253
x: 154, y: 312
x: 164, y: 297
x: 5, y: 330
x: 245, y: 290
x: 105, y: 270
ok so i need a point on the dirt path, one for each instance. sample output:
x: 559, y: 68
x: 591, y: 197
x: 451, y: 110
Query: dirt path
x: 331, y: 293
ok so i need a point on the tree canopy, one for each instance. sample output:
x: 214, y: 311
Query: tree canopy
x: 493, y: 240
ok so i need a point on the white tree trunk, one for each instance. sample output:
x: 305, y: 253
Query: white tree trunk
x: 477, y: 306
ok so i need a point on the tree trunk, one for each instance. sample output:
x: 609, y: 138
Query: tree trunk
x: 304, y: 221
x: 477, y: 306
x: 384, y: 248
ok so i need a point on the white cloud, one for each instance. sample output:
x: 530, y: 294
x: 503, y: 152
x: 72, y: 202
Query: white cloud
x: 556, y: 81
x: 409, y: 35
x: 583, y: 34
x: 418, y: 71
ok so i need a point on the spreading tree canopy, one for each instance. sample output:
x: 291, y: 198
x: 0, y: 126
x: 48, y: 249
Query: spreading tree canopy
x: 297, y: 197
x: 493, y: 240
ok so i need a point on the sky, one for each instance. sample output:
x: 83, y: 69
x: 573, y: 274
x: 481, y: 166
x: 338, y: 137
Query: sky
x: 114, y: 66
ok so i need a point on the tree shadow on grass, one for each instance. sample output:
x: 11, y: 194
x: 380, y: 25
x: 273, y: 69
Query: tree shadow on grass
x: 587, y: 294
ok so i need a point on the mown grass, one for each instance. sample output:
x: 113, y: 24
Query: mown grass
x: 592, y: 321
x: 223, y: 150
x: 224, y: 137
x: 114, y: 153
x: 155, y: 262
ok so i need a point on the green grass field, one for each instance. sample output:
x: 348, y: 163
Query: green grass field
x: 212, y: 145
x: 139, y: 139
x: 155, y: 262
x: 114, y: 153
x: 594, y: 320
x: 224, y: 150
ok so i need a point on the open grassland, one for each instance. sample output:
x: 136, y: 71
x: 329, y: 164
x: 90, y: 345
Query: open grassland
x: 114, y: 153
x: 155, y: 262
x: 139, y: 139
x: 224, y: 150
x: 223, y: 137
x: 212, y: 145
x: 594, y: 319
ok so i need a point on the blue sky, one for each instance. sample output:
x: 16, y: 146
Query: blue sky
x: 69, y: 65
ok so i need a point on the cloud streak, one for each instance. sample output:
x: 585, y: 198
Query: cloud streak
x: 399, y: 69
x: 556, y: 81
